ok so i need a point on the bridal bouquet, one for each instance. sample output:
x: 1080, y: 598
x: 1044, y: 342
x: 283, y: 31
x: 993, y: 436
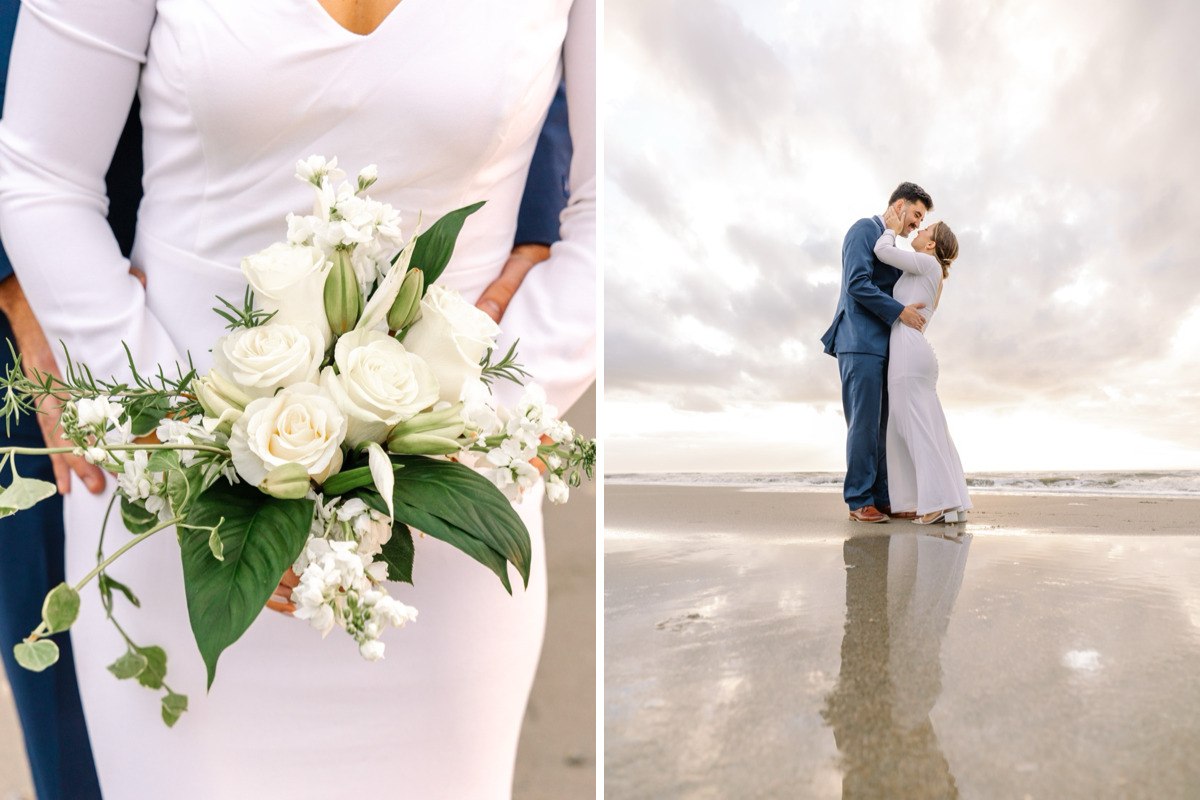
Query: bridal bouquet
x: 349, y: 405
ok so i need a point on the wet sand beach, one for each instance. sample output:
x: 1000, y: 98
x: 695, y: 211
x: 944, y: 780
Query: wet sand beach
x: 759, y: 644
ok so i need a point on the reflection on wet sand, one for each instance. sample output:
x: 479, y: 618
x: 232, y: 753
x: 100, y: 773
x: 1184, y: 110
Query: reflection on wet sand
x: 900, y: 592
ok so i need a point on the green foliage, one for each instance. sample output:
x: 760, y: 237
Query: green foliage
x: 172, y: 706
x: 398, y: 553
x: 452, y: 502
x: 506, y: 368
x: 156, y: 667
x: 435, y: 246
x: 24, y: 493
x: 261, y: 537
x: 36, y: 656
x: 135, y: 516
x: 60, y: 608
x: 129, y: 665
x: 244, y: 317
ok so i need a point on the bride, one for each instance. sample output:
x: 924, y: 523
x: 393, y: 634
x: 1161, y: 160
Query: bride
x: 925, y: 475
x: 447, y: 97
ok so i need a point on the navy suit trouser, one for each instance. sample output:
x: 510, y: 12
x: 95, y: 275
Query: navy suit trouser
x: 864, y: 402
x: 31, y: 563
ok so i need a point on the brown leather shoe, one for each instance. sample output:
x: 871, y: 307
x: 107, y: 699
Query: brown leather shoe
x: 867, y: 514
x: 903, y: 514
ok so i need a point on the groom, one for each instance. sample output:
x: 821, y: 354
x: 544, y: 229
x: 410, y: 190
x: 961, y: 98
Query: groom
x: 859, y: 338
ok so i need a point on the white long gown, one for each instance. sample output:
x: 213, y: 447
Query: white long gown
x: 447, y: 97
x: 923, y: 467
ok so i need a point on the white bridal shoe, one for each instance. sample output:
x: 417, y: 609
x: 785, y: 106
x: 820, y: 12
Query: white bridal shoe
x: 950, y: 515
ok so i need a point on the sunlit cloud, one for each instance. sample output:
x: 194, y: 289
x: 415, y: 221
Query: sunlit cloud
x: 1057, y: 139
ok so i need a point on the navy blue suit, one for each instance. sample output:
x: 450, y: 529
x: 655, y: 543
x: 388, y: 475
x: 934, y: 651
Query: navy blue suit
x: 56, y: 740
x: 859, y: 338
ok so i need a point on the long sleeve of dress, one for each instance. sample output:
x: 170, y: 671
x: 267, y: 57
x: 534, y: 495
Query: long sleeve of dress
x: 904, y: 260
x: 72, y: 77
x: 556, y: 304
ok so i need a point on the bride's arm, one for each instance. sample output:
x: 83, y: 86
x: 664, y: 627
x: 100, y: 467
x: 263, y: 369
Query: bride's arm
x: 72, y: 77
x: 906, y: 260
x: 554, y: 311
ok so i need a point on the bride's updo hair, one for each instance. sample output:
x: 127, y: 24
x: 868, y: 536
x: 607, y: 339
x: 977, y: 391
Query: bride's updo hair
x: 945, y: 246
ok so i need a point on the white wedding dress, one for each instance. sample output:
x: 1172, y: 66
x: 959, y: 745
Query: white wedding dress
x: 447, y: 97
x: 923, y: 468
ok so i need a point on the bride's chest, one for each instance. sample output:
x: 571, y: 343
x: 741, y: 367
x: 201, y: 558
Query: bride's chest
x: 454, y: 73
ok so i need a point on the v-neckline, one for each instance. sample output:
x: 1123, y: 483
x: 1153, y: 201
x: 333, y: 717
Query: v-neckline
x: 333, y: 20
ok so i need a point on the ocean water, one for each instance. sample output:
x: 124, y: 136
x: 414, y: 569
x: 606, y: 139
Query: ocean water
x: 1148, y: 483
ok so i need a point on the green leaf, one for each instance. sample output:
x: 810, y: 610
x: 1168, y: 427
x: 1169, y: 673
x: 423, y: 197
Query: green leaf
x: 135, y: 516
x: 452, y: 502
x: 214, y: 542
x: 129, y: 665
x: 60, y: 608
x: 451, y: 534
x: 163, y: 461
x: 108, y: 583
x: 156, y: 666
x: 261, y: 537
x: 350, y: 479
x: 146, y: 412
x: 398, y: 554
x: 36, y: 656
x: 435, y: 246
x: 172, y: 706
x: 184, y: 486
x: 24, y: 493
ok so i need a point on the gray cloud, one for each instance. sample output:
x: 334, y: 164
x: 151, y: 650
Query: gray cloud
x: 1079, y: 177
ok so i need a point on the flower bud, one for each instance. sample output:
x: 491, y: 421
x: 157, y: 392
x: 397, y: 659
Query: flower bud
x: 287, y: 482
x: 430, y: 433
x: 343, y: 302
x: 407, y: 307
x: 217, y: 394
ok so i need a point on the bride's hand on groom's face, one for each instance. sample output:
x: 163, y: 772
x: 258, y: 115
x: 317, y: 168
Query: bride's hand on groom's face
x: 891, y: 219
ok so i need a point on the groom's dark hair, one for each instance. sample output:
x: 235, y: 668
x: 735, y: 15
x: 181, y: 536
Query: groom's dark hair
x: 912, y: 193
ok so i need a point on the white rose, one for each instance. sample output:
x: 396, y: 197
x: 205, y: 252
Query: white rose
x: 268, y: 357
x: 378, y: 384
x: 290, y: 280
x: 299, y: 425
x: 452, y: 335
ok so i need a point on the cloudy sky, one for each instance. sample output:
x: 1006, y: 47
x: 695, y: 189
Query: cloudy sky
x: 1058, y: 139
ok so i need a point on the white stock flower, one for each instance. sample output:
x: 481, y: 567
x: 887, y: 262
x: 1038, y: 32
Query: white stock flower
x: 478, y: 412
x: 452, y: 335
x: 300, y: 424
x: 556, y: 489
x: 378, y: 384
x: 371, y: 649
x: 266, y: 358
x: 314, y: 168
x: 94, y: 411
x: 289, y: 279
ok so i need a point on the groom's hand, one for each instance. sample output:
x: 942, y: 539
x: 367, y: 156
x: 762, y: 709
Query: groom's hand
x: 911, y: 317
x: 35, y: 353
x: 496, y: 297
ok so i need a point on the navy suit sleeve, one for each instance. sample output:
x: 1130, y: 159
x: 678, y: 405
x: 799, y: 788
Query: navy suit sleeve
x: 546, y: 189
x: 859, y: 249
x: 8, y: 25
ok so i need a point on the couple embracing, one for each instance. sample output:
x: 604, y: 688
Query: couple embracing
x: 900, y: 460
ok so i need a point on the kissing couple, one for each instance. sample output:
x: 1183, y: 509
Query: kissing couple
x: 900, y: 460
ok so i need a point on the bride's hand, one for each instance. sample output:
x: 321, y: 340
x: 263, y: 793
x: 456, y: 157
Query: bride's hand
x: 496, y: 297
x: 281, y: 600
x: 892, y: 219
